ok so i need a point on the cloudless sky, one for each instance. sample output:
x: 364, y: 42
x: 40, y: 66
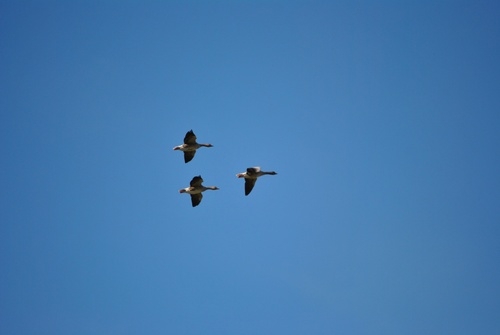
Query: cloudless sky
x: 382, y: 120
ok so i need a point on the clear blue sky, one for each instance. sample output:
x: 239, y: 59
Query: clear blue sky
x: 382, y: 120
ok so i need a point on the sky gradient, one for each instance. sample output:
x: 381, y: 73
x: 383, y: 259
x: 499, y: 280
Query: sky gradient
x: 381, y: 120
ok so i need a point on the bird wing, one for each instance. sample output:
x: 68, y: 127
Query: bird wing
x: 188, y: 155
x: 196, y: 181
x: 249, y: 184
x: 190, y: 137
x: 251, y: 171
x: 196, y: 199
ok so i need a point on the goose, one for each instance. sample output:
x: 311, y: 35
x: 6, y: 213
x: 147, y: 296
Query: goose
x: 190, y: 146
x: 251, y: 176
x: 195, y: 188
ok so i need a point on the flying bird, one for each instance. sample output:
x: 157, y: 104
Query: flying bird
x: 195, y: 188
x: 251, y: 176
x: 190, y: 146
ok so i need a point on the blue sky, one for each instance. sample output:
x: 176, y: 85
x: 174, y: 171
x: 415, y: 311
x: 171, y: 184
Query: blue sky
x: 381, y: 119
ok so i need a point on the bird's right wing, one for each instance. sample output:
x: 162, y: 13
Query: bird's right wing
x: 196, y: 199
x: 249, y: 184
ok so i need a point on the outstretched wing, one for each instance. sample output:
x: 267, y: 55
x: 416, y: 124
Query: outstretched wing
x: 196, y: 181
x: 196, y: 199
x: 188, y: 155
x: 249, y: 184
x: 190, y: 137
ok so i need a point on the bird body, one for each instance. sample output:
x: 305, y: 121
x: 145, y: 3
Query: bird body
x: 195, y: 189
x: 251, y: 175
x: 190, y: 146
